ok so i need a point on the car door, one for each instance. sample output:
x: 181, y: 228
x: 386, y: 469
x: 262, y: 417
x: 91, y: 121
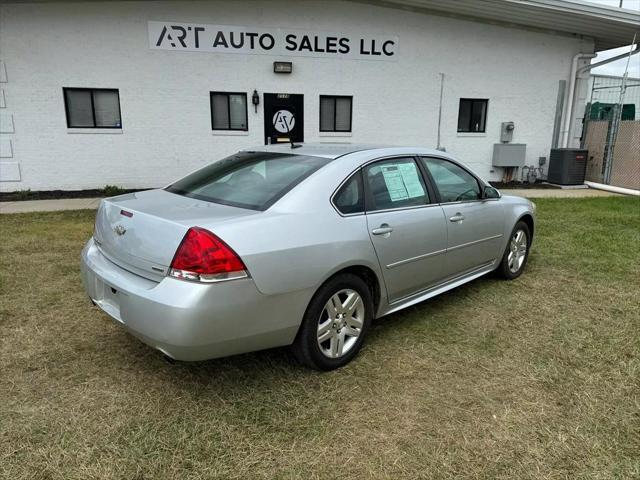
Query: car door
x: 475, y: 224
x: 406, y: 226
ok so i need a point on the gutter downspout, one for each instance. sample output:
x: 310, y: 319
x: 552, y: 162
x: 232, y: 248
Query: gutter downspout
x: 572, y: 91
x: 572, y: 85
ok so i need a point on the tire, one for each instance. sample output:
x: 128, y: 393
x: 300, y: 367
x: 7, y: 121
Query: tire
x: 511, y: 268
x: 344, y: 332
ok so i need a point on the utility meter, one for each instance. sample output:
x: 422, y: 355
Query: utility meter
x: 506, y: 132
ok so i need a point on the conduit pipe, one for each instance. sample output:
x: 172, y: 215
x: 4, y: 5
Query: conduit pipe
x: 572, y: 90
x: 611, y: 188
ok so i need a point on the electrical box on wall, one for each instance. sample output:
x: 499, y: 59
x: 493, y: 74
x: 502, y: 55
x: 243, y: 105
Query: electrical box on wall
x: 506, y: 132
x: 509, y: 154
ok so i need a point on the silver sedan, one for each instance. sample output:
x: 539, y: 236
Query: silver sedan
x: 300, y: 246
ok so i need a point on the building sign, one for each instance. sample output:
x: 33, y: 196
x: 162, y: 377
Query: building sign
x: 284, y: 121
x: 190, y: 37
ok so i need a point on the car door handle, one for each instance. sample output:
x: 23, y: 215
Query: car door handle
x: 382, y: 229
x: 458, y: 217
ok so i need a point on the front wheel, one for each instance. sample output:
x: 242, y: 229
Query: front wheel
x: 335, y: 323
x: 517, y: 252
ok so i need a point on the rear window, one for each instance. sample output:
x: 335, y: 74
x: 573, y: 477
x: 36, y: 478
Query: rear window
x: 253, y: 180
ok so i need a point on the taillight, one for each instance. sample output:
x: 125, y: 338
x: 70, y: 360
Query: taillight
x: 203, y: 257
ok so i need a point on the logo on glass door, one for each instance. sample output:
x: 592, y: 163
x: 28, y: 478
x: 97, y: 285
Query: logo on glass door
x: 284, y: 121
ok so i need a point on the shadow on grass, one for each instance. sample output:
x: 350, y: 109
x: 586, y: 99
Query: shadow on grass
x: 263, y: 367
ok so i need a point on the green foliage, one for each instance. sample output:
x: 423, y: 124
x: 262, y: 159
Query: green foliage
x: 112, y: 190
x: 24, y: 194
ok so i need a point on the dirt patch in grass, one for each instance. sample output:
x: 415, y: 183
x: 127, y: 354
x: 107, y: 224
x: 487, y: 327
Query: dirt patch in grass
x: 535, y: 378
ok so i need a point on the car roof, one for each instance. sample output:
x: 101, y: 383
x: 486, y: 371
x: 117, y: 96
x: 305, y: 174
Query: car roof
x: 335, y: 150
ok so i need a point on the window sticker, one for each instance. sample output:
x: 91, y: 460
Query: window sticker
x: 402, y: 180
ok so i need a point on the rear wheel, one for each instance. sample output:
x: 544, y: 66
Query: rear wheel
x: 335, y: 323
x: 517, y: 252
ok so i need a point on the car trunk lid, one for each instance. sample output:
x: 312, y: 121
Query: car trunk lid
x: 141, y: 231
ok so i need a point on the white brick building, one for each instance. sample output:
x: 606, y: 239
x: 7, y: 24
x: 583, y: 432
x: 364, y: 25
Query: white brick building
x: 143, y: 115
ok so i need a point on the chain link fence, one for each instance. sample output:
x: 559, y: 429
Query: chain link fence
x: 602, y: 132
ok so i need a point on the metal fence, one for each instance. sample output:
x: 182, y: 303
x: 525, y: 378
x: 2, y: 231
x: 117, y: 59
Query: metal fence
x: 612, y: 132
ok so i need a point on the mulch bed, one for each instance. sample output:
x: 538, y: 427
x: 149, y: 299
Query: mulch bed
x: 59, y: 194
x: 518, y: 185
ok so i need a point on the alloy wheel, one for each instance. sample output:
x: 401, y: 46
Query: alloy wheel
x: 340, y: 323
x: 517, y: 251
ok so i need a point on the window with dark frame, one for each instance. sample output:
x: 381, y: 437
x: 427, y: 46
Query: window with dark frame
x: 336, y: 112
x: 349, y: 198
x: 229, y: 111
x: 92, y: 107
x: 472, y: 115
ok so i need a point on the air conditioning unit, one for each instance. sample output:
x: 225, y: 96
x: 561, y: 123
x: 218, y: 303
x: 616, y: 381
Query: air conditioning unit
x: 567, y: 166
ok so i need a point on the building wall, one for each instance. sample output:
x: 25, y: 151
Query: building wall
x: 164, y: 95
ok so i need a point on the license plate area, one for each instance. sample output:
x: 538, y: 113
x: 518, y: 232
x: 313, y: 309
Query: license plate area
x: 108, y: 299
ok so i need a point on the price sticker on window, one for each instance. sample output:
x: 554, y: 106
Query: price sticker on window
x: 402, y: 181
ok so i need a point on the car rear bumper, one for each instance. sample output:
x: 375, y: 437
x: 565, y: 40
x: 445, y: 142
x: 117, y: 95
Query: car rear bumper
x: 188, y: 320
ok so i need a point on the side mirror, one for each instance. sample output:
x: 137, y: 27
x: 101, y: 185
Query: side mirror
x: 490, y: 192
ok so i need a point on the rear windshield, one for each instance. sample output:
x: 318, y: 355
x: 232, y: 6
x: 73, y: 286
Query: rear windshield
x: 254, y: 180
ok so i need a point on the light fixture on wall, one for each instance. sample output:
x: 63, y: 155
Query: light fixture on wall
x: 282, y: 67
x: 255, y: 99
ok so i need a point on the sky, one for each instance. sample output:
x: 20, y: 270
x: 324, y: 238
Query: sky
x: 617, y: 67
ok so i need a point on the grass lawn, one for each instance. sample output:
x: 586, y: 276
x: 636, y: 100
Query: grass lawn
x: 536, y: 378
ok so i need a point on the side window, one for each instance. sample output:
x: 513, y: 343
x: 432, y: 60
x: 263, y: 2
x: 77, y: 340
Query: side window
x: 228, y: 111
x: 335, y: 113
x: 454, y: 183
x: 92, y: 107
x: 472, y: 115
x: 395, y: 183
x: 350, y: 197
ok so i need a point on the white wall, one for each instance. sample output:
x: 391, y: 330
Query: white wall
x: 164, y: 95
